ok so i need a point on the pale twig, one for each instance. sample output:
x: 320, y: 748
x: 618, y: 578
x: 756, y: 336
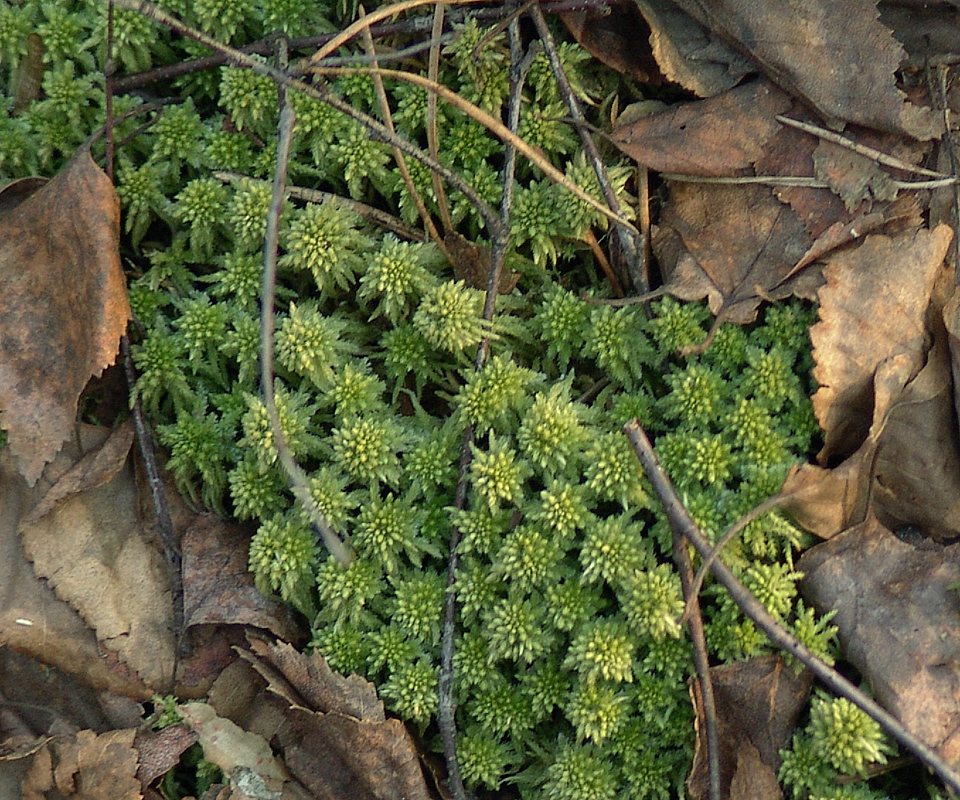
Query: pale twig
x: 805, y: 182
x: 281, y: 78
x: 533, y: 154
x: 680, y: 519
x: 868, y: 152
x: 446, y: 706
x: 433, y: 73
x: 398, y: 156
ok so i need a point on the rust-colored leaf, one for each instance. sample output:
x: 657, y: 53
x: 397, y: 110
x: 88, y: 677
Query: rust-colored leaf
x: 619, y: 38
x: 159, y: 751
x: 720, y: 136
x: 758, y: 702
x: 64, y: 306
x: 835, y: 56
x: 897, y: 616
x: 218, y: 586
x: 734, y: 245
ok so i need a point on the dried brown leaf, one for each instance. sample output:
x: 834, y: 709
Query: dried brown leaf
x: 835, y: 56
x: 85, y: 767
x: 897, y: 616
x: 89, y: 546
x: 64, y: 305
x: 873, y: 307
x: 616, y: 38
x: 338, y: 743
x: 720, y: 136
x: 159, y: 751
x: 218, y: 585
x: 734, y: 245
x: 758, y: 702
x: 689, y: 54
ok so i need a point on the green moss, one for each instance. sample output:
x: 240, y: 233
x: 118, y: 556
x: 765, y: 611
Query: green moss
x: 570, y: 669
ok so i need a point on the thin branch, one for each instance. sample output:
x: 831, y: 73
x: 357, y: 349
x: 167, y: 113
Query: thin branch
x: 433, y: 73
x: 868, y: 152
x: 299, y: 482
x: 627, y: 236
x: 501, y: 131
x: 680, y: 519
x: 798, y: 180
x: 398, y: 156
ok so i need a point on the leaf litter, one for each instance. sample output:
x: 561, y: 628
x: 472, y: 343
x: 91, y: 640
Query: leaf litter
x: 883, y: 494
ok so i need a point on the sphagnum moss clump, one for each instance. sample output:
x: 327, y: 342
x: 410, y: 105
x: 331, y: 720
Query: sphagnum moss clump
x: 571, y: 665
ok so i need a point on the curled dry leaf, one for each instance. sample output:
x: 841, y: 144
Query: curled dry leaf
x: 873, y: 306
x: 734, y: 245
x: 337, y: 741
x: 689, y: 54
x: 897, y: 616
x: 88, y: 544
x: 64, y: 304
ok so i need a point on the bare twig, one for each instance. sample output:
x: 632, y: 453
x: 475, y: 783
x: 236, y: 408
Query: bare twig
x: 947, y: 144
x: 398, y: 156
x: 447, y: 708
x: 868, y: 152
x: 701, y: 659
x: 680, y: 519
x: 628, y: 236
x: 433, y: 73
x: 299, y: 482
x: 501, y: 131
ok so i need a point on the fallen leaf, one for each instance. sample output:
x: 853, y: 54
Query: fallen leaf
x: 720, y: 136
x: 218, y: 585
x: 338, y: 742
x: 897, y: 617
x: 64, y: 305
x: 689, y: 54
x: 835, y: 56
x: 734, y: 245
x: 614, y: 37
x: 758, y: 703
x: 85, y: 767
x: 159, y: 751
x: 88, y: 545
x: 874, y: 305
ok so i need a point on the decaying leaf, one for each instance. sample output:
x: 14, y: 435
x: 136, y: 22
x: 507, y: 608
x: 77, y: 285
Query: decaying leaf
x: 337, y: 741
x: 689, y: 54
x: 218, y: 585
x: 616, y: 38
x: 85, y: 767
x: 88, y: 544
x: 758, y: 702
x: 64, y: 305
x: 836, y: 56
x: 720, y: 136
x: 734, y: 245
x: 236, y: 751
x: 899, y: 622
x: 873, y: 307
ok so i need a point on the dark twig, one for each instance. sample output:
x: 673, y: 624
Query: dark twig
x: 412, y: 25
x: 628, y: 237
x: 299, y: 482
x: 447, y: 707
x: 433, y: 73
x: 168, y: 536
x: 947, y: 144
x: 701, y: 659
x: 680, y: 520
